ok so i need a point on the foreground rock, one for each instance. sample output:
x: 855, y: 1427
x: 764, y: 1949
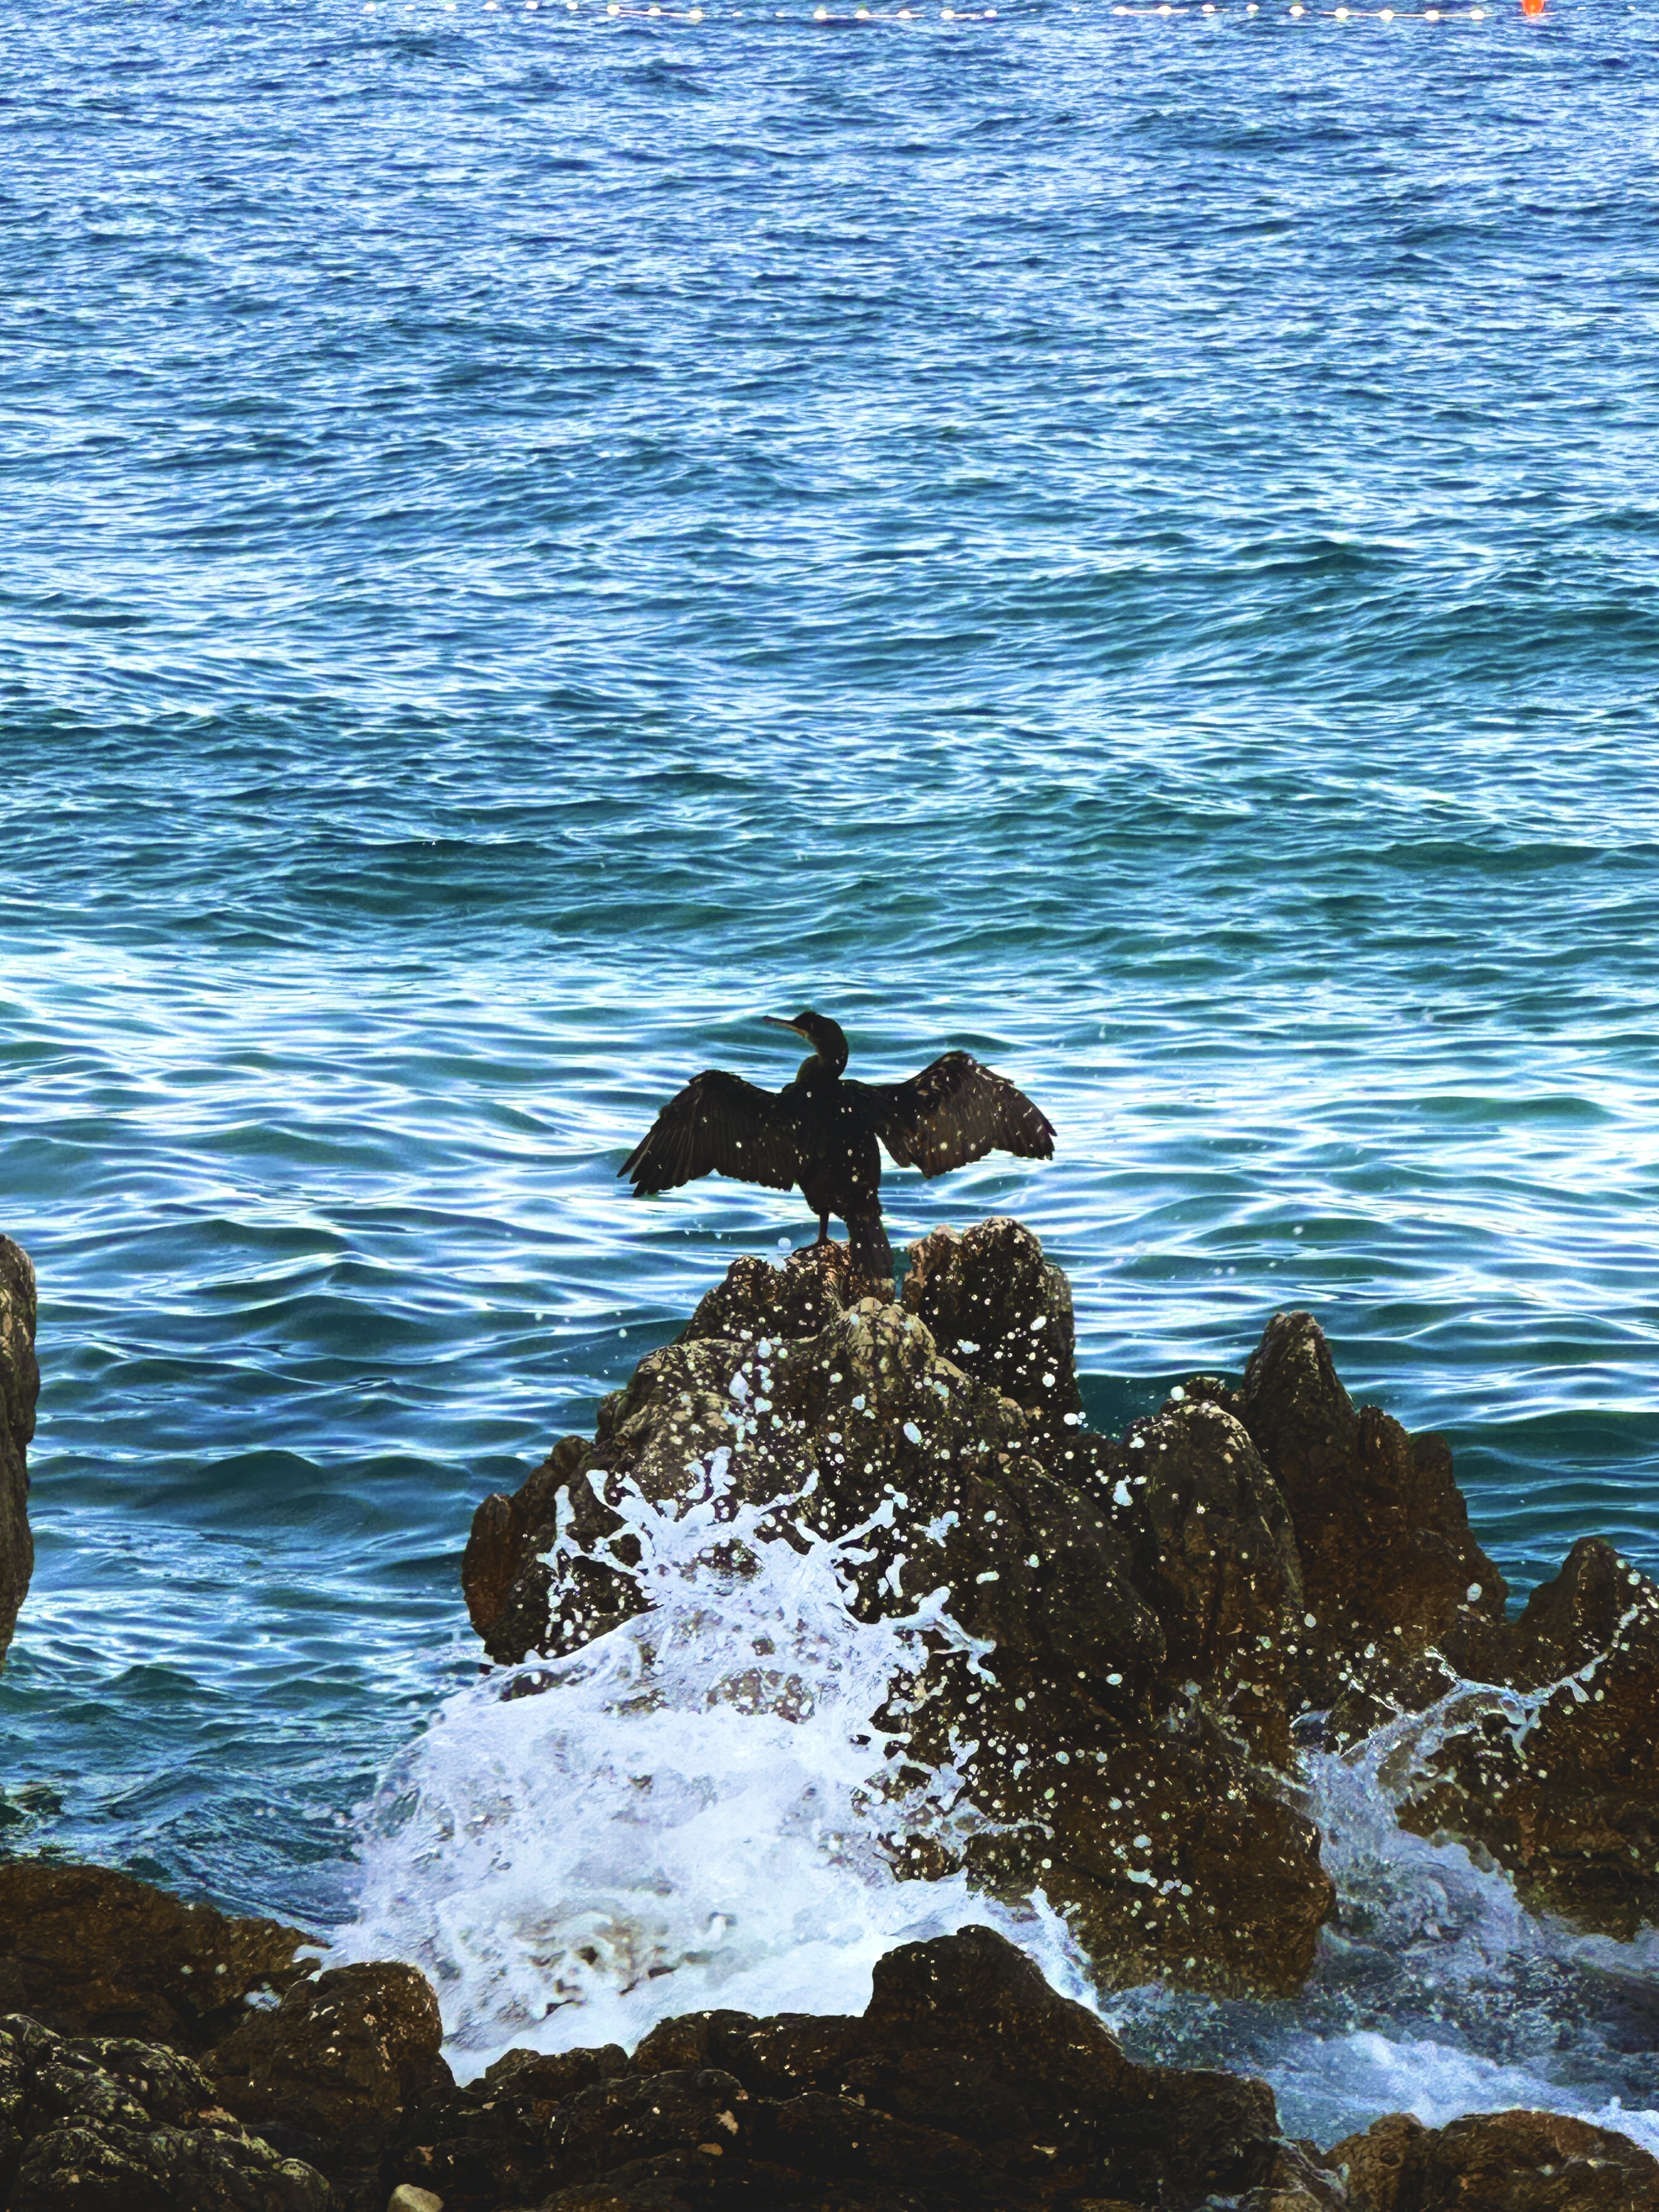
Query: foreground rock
x: 967, y: 2085
x: 20, y: 1386
x: 330, y: 2075
x: 86, y: 1951
x: 968, y: 2081
x: 1496, y: 2162
x: 110, y: 2125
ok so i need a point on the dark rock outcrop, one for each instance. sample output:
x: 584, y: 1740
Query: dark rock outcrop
x: 1517, y: 2161
x: 1126, y: 1731
x: 967, y: 2085
x: 19, y: 1386
x: 110, y: 2124
x: 967, y: 2082
x: 330, y: 2071
x: 1161, y: 1607
x: 1003, y: 1313
x: 1382, y: 1530
x: 1541, y: 1744
x: 86, y: 1951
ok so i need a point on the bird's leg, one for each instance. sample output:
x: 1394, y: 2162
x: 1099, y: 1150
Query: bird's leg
x: 824, y: 1232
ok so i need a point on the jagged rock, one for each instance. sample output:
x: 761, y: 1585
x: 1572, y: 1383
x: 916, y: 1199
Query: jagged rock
x: 1555, y: 1771
x: 487, y: 2144
x: 19, y: 1386
x: 1361, y: 1492
x: 1220, y: 1557
x: 1301, y: 2181
x: 100, y: 2168
x: 516, y: 1601
x: 112, y: 2124
x: 1160, y: 1608
x: 1382, y: 2165
x: 1171, y: 1864
x: 1517, y: 2161
x: 1003, y: 1313
x: 84, y: 1950
x: 1137, y: 1598
x: 800, y: 1300
x: 1535, y: 2162
x: 330, y: 2072
x: 118, y: 2079
x: 967, y: 2081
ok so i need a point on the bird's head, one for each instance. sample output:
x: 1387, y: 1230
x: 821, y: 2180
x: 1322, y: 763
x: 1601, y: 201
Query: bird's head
x: 827, y: 1038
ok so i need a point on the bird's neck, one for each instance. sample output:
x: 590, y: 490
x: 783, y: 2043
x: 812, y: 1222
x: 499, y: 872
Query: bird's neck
x: 819, y: 1073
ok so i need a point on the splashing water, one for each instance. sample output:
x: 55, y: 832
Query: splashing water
x: 1435, y: 1991
x: 698, y: 1809
x: 695, y: 1809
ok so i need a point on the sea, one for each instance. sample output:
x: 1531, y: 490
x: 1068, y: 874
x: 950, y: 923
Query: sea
x: 534, y: 533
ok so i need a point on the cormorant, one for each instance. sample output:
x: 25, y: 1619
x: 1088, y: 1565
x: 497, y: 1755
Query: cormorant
x: 821, y: 1133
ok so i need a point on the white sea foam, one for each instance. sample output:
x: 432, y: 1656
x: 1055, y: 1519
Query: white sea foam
x: 1435, y: 1992
x: 693, y: 1810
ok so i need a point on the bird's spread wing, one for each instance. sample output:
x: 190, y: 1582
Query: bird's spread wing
x: 718, y: 1125
x: 956, y: 1111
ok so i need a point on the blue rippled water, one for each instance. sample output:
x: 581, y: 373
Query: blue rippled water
x: 530, y: 539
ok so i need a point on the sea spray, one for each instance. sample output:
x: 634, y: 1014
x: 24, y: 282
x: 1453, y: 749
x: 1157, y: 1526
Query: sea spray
x: 697, y: 1808
x: 1435, y: 1990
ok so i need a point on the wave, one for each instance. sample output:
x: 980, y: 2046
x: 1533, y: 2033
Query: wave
x: 699, y: 1810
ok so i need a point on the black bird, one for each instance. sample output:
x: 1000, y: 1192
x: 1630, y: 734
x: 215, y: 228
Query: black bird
x: 821, y: 1133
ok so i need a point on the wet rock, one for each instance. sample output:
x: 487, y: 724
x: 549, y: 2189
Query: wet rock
x: 1518, y: 2161
x: 518, y: 1600
x: 1535, y: 2162
x: 1132, y: 1602
x: 20, y: 1386
x: 800, y: 1299
x: 114, y: 2124
x: 1003, y: 1313
x: 1153, y: 1613
x: 1555, y: 1769
x: 331, y: 2072
x: 967, y: 2081
x: 117, y: 2078
x: 1136, y: 1600
x: 1219, y: 1555
x: 87, y: 2168
x: 84, y: 1949
x: 1301, y: 2181
x: 1171, y: 1861
x: 1360, y: 1492
x: 1380, y: 2166
x: 487, y: 2144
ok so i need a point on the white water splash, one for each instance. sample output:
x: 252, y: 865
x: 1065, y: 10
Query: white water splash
x: 1436, y: 1992
x: 1489, y: 2006
x: 695, y: 1810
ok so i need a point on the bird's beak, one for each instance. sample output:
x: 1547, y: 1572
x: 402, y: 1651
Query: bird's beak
x: 777, y: 1022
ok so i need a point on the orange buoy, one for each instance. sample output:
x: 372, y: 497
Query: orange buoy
x: 1532, y: 7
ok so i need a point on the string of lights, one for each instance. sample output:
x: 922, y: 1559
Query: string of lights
x: 618, y: 11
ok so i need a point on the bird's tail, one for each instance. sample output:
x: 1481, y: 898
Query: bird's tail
x: 871, y: 1254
